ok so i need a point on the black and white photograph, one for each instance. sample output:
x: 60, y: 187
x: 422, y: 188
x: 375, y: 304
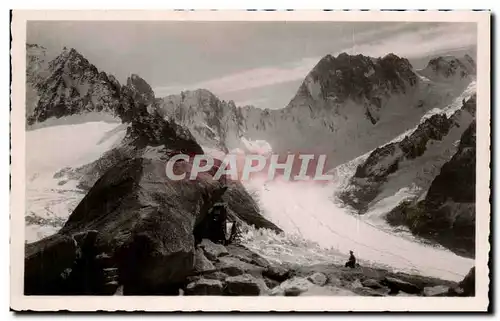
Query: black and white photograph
x: 277, y: 156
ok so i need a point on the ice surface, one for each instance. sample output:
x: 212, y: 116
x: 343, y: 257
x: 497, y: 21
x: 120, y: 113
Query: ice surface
x: 305, y: 209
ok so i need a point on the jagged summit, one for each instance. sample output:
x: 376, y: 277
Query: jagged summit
x: 139, y: 89
x: 69, y: 84
x: 451, y: 67
x: 34, y: 45
x: 357, y: 76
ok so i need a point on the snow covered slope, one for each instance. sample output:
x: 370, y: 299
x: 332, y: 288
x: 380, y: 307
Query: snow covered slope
x: 50, y: 195
x: 307, y: 210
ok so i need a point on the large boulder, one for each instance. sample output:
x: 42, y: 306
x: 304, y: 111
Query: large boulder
x: 293, y: 287
x: 371, y: 283
x: 201, y: 263
x: 244, y: 254
x: 45, y: 262
x: 396, y: 285
x: 212, y: 251
x: 438, y: 290
x: 233, y: 267
x: 318, y: 278
x: 54, y: 265
x: 146, y: 221
x: 204, y: 287
x: 241, y: 203
x: 277, y: 273
x: 364, y: 291
x: 245, y: 284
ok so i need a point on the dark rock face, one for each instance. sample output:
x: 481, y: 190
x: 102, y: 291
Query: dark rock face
x: 384, y: 161
x: 468, y: 284
x: 212, y: 251
x: 458, y: 177
x: 204, y: 287
x: 245, y: 255
x: 356, y: 77
x: 135, y: 97
x: 150, y: 129
x: 211, y: 120
x: 234, y: 267
x: 141, y: 91
x: 277, y: 273
x: 371, y: 283
x: 201, y: 263
x: 72, y: 85
x: 68, y: 264
x: 447, y: 214
x: 396, y: 285
x: 45, y: 263
x: 245, y: 284
x: 451, y: 66
x: 241, y: 203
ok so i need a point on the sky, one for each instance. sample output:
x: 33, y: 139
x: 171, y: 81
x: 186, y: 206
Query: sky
x: 251, y: 63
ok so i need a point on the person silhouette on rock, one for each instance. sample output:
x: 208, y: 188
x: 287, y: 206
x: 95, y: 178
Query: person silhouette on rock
x: 351, y: 263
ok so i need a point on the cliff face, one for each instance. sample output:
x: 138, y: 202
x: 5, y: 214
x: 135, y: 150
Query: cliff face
x: 447, y: 214
x: 70, y: 85
x: 414, y: 160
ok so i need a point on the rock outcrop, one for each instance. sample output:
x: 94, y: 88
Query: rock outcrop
x: 447, y: 214
x: 374, y: 173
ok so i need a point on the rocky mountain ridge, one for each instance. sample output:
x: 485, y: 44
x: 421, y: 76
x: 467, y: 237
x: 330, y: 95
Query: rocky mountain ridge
x: 340, y: 104
x: 69, y: 84
x: 450, y: 67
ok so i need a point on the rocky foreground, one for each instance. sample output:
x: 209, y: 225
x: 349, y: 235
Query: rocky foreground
x: 232, y: 270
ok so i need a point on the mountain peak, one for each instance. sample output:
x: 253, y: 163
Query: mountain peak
x: 140, y: 90
x: 449, y: 66
x: 358, y: 77
x: 34, y: 46
x: 69, y: 85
